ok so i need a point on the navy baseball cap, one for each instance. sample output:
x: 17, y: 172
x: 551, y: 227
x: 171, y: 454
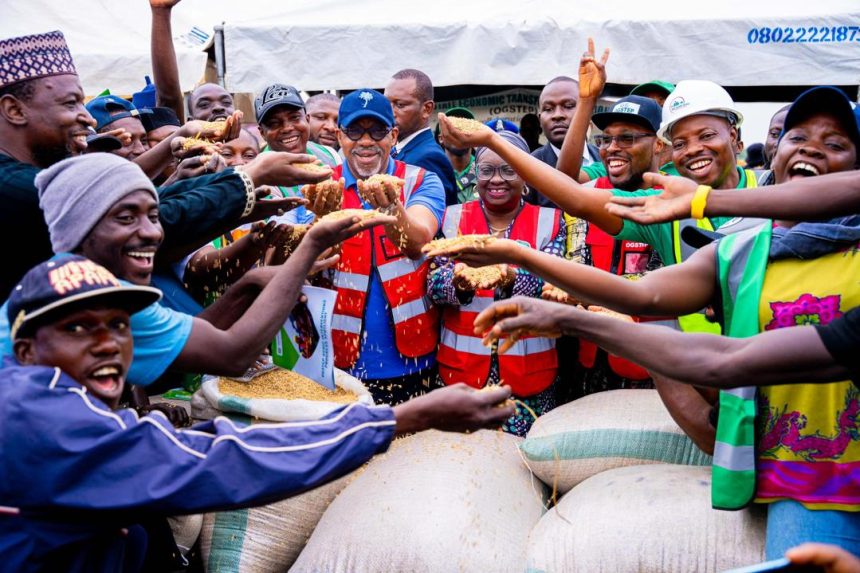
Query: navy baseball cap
x: 276, y: 95
x: 106, y: 109
x: 829, y: 100
x: 50, y: 288
x: 362, y: 103
x: 631, y: 109
x: 499, y: 124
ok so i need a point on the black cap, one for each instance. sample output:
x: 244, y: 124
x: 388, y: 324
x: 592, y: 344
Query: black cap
x: 829, y: 100
x: 631, y: 109
x: 57, y: 283
x: 159, y: 117
x: 276, y: 95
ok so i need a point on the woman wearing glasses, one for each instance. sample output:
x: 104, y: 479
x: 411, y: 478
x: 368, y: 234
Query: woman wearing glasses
x: 531, y: 366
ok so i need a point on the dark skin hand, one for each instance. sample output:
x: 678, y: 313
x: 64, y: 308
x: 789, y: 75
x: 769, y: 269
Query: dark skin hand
x: 456, y: 408
x: 165, y: 72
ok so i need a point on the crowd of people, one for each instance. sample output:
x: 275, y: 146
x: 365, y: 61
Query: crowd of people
x: 169, y: 235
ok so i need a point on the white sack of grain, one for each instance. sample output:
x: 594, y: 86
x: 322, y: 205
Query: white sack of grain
x: 264, y: 539
x: 436, y: 502
x: 186, y: 530
x: 645, y: 519
x: 276, y: 410
x: 606, y: 430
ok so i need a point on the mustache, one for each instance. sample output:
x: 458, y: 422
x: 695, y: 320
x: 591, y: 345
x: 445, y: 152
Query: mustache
x: 374, y: 148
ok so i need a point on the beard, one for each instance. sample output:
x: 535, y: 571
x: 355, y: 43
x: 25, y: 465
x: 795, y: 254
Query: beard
x: 365, y: 172
x: 44, y: 156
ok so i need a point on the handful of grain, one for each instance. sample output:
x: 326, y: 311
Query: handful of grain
x: 312, y: 191
x: 312, y: 167
x: 216, y: 126
x: 466, y: 125
x: 458, y: 241
x: 285, y: 385
x: 383, y: 178
x: 486, y: 277
x: 362, y: 214
x: 195, y: 143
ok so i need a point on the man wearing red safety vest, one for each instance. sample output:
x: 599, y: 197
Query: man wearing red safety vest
x: 384, y: 329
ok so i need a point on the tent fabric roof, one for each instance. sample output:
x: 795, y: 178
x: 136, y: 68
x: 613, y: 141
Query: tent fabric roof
x: 335, y: 44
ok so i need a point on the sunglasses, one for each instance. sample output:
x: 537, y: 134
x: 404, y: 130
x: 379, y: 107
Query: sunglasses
x: 624, y: 140
x: 376, y: 133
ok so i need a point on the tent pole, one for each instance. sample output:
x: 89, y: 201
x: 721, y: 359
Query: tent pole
x: 219, y: 55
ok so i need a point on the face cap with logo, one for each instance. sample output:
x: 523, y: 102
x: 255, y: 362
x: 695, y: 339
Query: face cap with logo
x: 631, y: 109
x: 276, y: 95
x: 61, y: 285
x: 365, y: 102
x: 107, y: 109
x: 697, y: 97
x: 499, y: 124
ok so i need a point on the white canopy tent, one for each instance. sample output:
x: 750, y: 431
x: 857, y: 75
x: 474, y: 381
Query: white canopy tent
x: 335, y: 44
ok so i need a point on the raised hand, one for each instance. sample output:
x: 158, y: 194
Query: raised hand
x: 592, y: 73
x: 489, y: 253
x: 670, y: 205
x: 325, y: 197
x: 379, y: 194
x: 279, y: 168
x: 163, y: 4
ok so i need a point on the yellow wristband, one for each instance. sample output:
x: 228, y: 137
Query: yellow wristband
x: 697, y: 205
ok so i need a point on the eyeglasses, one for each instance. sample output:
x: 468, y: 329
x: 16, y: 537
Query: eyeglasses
x: 624, y: 140
x: 486, y: 172
x: 355, y: 132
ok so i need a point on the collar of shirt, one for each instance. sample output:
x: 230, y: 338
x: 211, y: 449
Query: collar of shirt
x: 586, y: 158
x: 349, y: 180
x: 403, y: 143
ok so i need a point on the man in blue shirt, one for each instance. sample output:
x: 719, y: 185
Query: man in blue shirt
x: 85, y: 485
x: 383, y: 328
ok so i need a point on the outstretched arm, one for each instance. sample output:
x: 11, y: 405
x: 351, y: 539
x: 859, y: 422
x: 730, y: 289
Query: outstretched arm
x: 835, y: 194
x: 579, y: 201
x: 783, y: 356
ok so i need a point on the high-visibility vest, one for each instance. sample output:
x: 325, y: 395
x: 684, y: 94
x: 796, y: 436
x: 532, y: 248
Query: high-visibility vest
x: 530, y: 366
x: 610, y: 254
x: 404, y: 284
x: 697, y: 322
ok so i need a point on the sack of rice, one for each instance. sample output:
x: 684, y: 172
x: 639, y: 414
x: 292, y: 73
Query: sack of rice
x: 264, y: 539
x: 282, y: 396
x: 603, y: 431
x: 646, y: 519
x: 435, y: 502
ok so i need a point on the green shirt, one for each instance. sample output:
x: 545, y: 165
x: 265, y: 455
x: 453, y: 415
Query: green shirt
x: 659, y: 235
x: 595, y: 171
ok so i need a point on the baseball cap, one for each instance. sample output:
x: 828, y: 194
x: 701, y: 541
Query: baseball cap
x: 365, y: 102
x: 274, y: 96
x: 653, y: 86
x: 697, y: 97
x: 499, y: 124
x: 53, y: 287
x: 101, y: 141
x: 631, y: 109
x: 159, y: 117
x: 106, y: 109
x: 825, y: 99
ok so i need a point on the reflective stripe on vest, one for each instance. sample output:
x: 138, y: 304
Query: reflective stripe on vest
x: 531, y: 364
x: 742, y: 262
x: 403, y: 284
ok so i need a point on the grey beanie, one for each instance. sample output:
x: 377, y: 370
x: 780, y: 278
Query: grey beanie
x: 76, y: 193
x: 513, y: 138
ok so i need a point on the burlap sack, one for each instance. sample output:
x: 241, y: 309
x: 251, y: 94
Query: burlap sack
x: 436, y: 502
x: 645, y: 519
x: 603, y: 431
x: 264, y: 539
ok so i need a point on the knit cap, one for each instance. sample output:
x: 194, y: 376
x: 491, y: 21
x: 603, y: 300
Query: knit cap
x: 75, y: 194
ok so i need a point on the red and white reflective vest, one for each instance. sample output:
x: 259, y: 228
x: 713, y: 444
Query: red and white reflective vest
x: 404, y: 283
x: 620, y: 258
x: 530, y: 366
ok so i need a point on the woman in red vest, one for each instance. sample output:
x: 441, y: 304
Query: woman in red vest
x: 530, y: 368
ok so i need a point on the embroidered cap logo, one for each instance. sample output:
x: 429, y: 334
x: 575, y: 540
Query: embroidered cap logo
x: 365, y: 97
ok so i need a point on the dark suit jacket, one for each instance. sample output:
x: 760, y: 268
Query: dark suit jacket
x: 547, y: 154
x: 423, y: 151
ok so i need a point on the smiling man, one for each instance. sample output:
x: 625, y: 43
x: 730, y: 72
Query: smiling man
x: 384, y: 328
x: 283, y: 122
x: 322, y: 112
x: 88, y: 486
x: 210, y: 102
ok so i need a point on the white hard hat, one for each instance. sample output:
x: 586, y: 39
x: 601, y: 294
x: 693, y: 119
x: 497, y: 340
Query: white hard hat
x: 697, y: 97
